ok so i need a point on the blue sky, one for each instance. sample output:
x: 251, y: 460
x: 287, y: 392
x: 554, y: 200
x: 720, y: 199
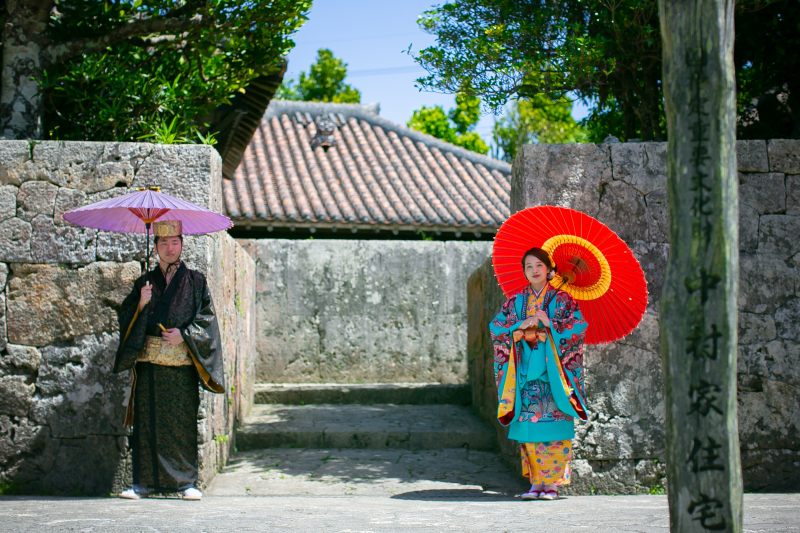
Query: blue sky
x: 372, y: 37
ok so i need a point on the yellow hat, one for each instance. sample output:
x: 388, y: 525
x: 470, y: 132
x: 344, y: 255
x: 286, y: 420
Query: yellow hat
x: 167, y: 228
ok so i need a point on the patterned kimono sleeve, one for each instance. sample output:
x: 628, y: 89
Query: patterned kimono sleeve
x: 501, y: 329
x: 569, y: 330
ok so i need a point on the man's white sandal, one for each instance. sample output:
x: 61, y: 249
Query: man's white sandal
x: 192, y: 494
x: 134, y: 493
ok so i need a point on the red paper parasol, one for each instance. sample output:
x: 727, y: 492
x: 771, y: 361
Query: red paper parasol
x: 593, y: 265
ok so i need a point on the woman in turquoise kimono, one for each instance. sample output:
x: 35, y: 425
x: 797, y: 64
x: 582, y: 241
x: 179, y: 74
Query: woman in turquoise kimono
x: 538, y: 365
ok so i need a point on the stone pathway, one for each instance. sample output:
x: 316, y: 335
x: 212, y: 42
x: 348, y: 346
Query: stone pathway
x: 414, y: 427
x: 400, y: 473
x: 774, y: 513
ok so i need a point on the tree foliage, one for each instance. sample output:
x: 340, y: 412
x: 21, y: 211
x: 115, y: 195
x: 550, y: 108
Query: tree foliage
x: 768, y: 69
x: 506, y: 49
x: 152, y: 68
x: 323, y: 83
x: 455, y: 126
x: 606, y: 52
x: 537, y: 120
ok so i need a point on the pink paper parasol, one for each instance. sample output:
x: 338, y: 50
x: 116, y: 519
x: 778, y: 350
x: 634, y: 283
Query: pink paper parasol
x: 135, y: 212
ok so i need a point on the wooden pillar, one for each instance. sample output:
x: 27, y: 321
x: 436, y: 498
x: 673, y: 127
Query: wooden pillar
x: 698, y: 303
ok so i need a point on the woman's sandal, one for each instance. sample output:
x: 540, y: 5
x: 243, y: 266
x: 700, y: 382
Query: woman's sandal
x: 548, y: 495
x: 531, y: 494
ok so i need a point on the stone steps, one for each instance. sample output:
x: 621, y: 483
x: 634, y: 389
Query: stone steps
x: 366, y: 394
x: 378, y: 426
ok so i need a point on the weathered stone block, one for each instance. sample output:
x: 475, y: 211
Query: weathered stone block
x: 748, y: 229
x: 657, y: 217
x: 13, y: 156
x: 196, y: 164
x: 652, y: 258
x: 777, y: 234
x: 787, y: 320
x: 47, y: 303
x: 603, y: 477
x: 3, y: 279
x: 643, y: 166
x: 765, y: 283
x: 3, y: 333
x: 18, y: 436
x: 784, y: 155
x: 61, y: 244
x: 87, y: 166
x: 361, y: 311
x: 121, y: 247
x: 769, y: 418
x: 623, y: 209
x: 36, y: 198
x: 77, y: 393
x: 15, y: 395
x: 21, y: 358
x: 15, y: 240
x: 624, y: 387
x: 567, y: 175
x: 8, y: 201
x: 67, y: 200
x: 766, y: 193
x: 102, y: 460
x: 751, y: 156
x: 768, y: 470
x: 756, y: 328
x: 793, y: 195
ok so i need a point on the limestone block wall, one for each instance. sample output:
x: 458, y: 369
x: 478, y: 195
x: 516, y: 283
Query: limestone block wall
x: 349, y: 311
x: 61, y: 408
x: 621, y: 448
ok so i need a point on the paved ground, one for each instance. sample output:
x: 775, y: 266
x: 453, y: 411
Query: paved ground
x: 366, y: 472
x: 408, y: 512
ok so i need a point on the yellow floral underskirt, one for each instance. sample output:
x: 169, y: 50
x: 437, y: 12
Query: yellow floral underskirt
x: 547, y: 463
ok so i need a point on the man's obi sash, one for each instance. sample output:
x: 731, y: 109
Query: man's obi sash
x: 158, y: 354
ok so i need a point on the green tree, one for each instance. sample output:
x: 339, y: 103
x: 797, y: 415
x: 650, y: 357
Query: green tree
x: 538, y: 120
x: 123, y: 69
x: 521, y: 48
x: 608, y: 53
x: 454, y: 126
x: 323, y: 83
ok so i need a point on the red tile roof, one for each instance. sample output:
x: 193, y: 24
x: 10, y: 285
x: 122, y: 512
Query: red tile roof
x: 377, y: 174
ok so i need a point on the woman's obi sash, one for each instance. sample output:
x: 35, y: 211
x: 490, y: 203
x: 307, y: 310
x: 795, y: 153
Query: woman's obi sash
x: 158, y: 354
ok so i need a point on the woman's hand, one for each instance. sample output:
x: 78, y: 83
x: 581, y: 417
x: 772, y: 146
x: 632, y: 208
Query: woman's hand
x: 541, y: 315
x: 529, y: 322
x: 171, y: 337
x: 145, y: 295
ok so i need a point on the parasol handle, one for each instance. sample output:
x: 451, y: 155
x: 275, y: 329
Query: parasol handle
x: 147, y: 257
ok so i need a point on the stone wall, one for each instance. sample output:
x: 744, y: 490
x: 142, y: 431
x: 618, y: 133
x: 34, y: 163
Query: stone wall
x: 349, y: 311
x: 61, y: 408
x: 621, y: 448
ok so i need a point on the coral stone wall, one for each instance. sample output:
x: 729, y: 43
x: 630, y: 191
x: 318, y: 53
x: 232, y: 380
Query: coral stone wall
x: 621, y: 448
x: 349, y: 311
x: 61, y: 408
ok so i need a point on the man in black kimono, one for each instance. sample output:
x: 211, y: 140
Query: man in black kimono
x: 170, y: 339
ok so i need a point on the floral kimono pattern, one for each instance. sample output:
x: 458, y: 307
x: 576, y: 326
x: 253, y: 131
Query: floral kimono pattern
x: 540, y: 383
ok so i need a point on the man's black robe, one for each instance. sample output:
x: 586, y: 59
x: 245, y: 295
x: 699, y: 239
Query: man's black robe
x: 166, y: 399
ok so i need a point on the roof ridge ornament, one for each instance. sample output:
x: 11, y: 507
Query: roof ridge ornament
x: 326, y: 128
